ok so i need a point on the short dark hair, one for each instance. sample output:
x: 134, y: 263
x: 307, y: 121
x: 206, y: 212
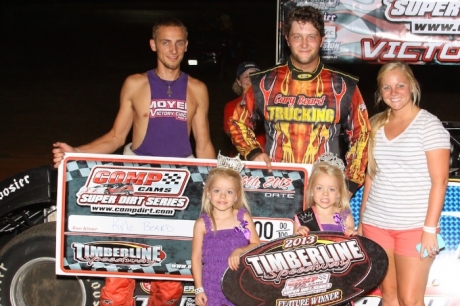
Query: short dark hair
x: 168, y: 22
x: 303, y: 14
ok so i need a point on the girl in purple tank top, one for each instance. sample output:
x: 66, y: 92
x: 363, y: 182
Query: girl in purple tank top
x: 223, y: 232
x: 327, y: 199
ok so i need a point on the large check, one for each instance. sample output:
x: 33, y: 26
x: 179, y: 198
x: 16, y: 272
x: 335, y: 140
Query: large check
x: 133, y: 217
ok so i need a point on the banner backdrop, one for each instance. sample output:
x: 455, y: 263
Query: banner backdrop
x: 377, y: 31
x: 132, y: 217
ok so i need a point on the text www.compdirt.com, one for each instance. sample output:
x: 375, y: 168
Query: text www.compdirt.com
x: 435, y: 27
x: 132, y: 210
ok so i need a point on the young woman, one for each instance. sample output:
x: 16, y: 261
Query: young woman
x: 405, y: 185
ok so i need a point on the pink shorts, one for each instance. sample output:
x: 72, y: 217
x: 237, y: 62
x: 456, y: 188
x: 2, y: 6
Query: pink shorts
x: 402, y: 242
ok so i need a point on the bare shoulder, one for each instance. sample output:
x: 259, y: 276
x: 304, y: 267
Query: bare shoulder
x: 196, y: 86
x: 247, y: 216
x: 197, y: 94
x: 135, y: 88
x: 136, y: 80
x: 195, y: 82
x: 199, y: 223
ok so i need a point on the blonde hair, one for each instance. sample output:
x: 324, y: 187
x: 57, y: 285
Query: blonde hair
x: 232, y: 175
x: 325, y: 168
x: 380, y: 119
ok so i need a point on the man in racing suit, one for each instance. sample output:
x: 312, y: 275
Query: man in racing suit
x: 304, y: 105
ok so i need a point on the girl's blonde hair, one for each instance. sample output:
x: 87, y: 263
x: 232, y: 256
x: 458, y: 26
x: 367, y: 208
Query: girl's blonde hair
x: 325, y: 168
x: 380, y: 119
x: 232, y: 175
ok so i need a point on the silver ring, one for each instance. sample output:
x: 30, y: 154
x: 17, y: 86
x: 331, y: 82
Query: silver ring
x: 434, y: 249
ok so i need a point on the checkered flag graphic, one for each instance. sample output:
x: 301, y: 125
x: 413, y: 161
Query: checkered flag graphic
x: 171, y: 179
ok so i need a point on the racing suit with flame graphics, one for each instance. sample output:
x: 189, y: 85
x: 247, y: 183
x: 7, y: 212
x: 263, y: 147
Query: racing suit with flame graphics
x: 303, y: 115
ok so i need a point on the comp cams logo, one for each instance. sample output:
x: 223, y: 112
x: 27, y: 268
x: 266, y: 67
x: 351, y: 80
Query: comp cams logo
x: 130, y: 190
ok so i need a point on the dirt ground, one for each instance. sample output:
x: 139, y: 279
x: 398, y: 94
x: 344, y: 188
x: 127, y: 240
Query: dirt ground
x: 62, y: 67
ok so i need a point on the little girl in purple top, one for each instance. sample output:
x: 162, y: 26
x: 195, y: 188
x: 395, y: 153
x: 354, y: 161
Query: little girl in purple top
x: 327, y: 199
x: 223, y: 232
